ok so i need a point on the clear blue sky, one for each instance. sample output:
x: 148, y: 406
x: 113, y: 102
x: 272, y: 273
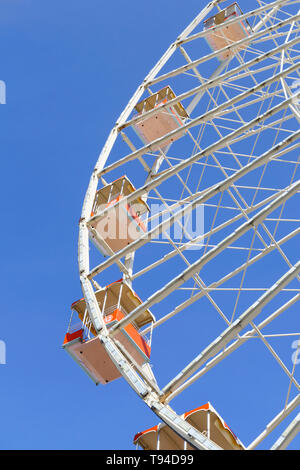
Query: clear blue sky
x: 70, y: 67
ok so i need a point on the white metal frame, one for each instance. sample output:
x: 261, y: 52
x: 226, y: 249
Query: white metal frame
x: 270, y: 23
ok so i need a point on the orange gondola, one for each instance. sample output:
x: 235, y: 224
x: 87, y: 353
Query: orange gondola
x: 163, y: 120
x: 120, y: 226
x: 205, y: 419
x: 115, y: 301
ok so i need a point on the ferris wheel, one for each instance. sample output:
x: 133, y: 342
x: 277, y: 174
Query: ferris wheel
x: 188, y: 238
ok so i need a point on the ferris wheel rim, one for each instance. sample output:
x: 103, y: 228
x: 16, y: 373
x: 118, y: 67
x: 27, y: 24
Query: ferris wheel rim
x: 147, y: 391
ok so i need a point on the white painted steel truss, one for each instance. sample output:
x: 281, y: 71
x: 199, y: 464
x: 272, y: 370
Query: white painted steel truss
x: 239, y: 159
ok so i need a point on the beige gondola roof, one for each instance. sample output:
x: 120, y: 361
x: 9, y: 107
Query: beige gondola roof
x: 129, y: 301
x: 169, y: 440
x: 149, y: 103
x: 102, y: 194
x: 220, y: 431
